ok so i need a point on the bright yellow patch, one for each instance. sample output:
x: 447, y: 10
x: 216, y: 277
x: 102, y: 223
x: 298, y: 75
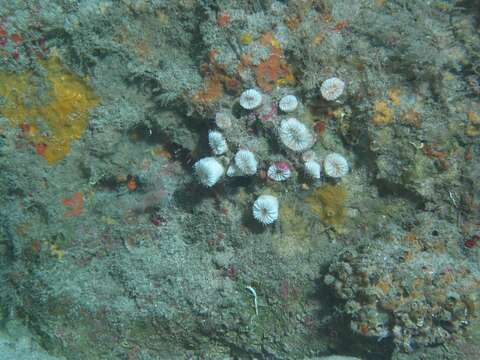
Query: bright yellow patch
x: 275, y: 43
x: 328, y: 203
x: 61, y: 111
x: 246, y: 38
x: 56, y: 251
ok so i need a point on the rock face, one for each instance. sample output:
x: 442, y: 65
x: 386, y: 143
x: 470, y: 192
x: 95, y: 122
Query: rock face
x: 111, y: 247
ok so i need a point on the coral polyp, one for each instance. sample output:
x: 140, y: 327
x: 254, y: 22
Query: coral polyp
x: 288, y: 103
x: 279, y: 171
x: 250, y: 99
x: 332, y: 88
x: 295, y: 135
x: 313, y: 169
x: 335, y: 165
x: 208, y: 171
x: 245, y: 162
x: 217, y: 142
x: 265, y: 209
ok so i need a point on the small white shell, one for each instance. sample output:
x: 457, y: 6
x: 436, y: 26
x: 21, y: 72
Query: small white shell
x: 265, y: 209
x: 279, y: 171
x: 295, y: 135
x: 335, y: 165
x: 245, y: 162
x: 208, y: 171
x: 313, y: 169
x: 332, y: 88
x: 250, y: 99
x: 217, y: 142
x: 288, y: 103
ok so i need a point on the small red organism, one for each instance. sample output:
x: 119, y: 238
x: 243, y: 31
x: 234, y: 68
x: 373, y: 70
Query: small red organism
x: 231, y: 272
x: 16, y: 38
x: 232, y: 85
x: 319, y: 127
x: 340, y: 25
x: 25, y: 127
x: 472, y: 242
x: 75, y: 203
x: 15, y: 54
x: 158, y: 220
x: 40, y: 148
x: 272, y: 112
x: 223, y: 19
x: 132, y: 183
x: 262, y: 174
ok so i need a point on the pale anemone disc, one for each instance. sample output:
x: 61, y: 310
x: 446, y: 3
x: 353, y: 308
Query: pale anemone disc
x: 245, y: 162
x: 223, y: 120
x: 265, y: 209
x: 332, y: 88
x: 313, y: 169
x: 250, y: 99
x: 335, y: 165
x: 288, y: 103
x: 295, y: 135
x: 217, y: 142
x: 279, y: 171
x: 208, y: 171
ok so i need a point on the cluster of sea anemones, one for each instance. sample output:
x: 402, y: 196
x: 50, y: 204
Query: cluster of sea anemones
x: 293, y: 135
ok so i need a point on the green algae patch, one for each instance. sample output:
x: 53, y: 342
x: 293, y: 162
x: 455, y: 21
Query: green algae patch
x: 53, y: 111
x: 328, y: 203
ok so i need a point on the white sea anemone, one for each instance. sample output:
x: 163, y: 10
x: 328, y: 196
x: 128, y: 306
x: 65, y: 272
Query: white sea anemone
x: 332, y: 88
x: 250, y: 99
x: 208, y: 171
x: 265, y: 209
x: 245, y: 162
x: 288, y: 103
x: 279, y: 171
x: 295, y: 135
x: 335, y: 165
x: 313, y: 169
x: 223, y: 120
x: 217, y: 142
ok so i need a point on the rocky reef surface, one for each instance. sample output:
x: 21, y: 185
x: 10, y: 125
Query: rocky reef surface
x: 240, y: 179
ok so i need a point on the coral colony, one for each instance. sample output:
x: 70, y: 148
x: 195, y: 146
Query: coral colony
x: 293, y: 135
